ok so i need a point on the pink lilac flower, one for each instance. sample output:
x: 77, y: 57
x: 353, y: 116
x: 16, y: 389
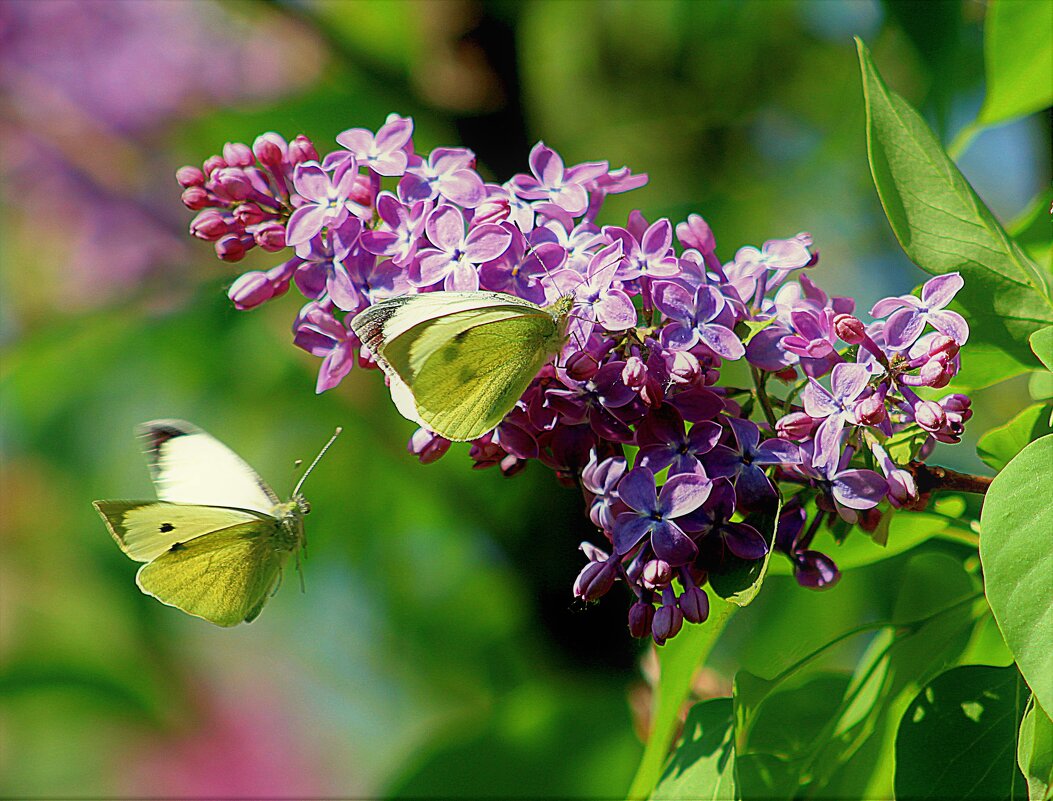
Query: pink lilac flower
x: 384, y: 153
x: 453, y: 256
x: 447, y: 173
x: 696, y: 320
x: 328, y: 202
x: 401, y: 229
x: 907, y: 315
x: 319, y: 333
x: 551, y: 182
x: 595, y: 300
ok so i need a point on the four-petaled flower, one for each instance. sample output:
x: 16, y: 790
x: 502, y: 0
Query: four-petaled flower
x: 653, y: 513
x: 327, y: 202
x: 847, y: 382
x: 448, y: 173
x: 454, y: 256
x: 744, y: 465
x: 696, y: 319
x: 909, y: 314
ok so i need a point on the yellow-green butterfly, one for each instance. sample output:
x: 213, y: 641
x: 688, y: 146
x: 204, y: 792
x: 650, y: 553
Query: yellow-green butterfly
x: 215, y: 541
x: 457, y: 362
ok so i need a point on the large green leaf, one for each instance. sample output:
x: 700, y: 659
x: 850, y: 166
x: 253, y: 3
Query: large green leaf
x: 1018, y: 55
x: 679, y: 659
x: 999, y: 445
x: 957, y: 737
x: 944, y: 227
x: 1016, y: 532
x: 1042, y: 344
x: 1034, y: 752
x: 703, y: 766
x: 1031, y: 230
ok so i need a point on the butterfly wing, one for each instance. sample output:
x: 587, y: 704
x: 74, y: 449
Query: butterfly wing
x: 225, y: 577
x: 467, y: 370
x: 146, y: 529
x: 189, y: 466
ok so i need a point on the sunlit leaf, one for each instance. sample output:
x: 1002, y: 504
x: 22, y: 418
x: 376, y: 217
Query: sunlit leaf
x: 703, y: 765
x: 1015, y: 530
x: 1018, y: 55
x: 957, y: 736
x: 1034, y: 754
x: 999, y: 445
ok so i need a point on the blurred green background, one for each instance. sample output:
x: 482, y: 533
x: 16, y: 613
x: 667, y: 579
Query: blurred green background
x: 437, y: 651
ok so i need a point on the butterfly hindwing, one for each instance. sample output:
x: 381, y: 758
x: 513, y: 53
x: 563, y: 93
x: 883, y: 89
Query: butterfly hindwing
x: 189, y: 466
x: 146, y: 529
x: 224, y: 578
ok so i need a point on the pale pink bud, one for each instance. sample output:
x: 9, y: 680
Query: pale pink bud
x: 213, y: 163
x: 871, y: 410
x: 250, y: 290
x: 684, y: 368
x: 237, y: 154
x: 934, y: 373
x: 929, y: 415
x: 956, y: 402
x: 656, y: 573
x: 209, y: 225
x: 269, y: 149
x: 190, y: 176
x: 270, y: 237
x: 302, y: 149
x: 696, y: 233
x: 232, y: 183
x: 634, y: 373
x: 795, y: 427
x: 849, y: 329
x: 362, y: 192
x: 902, y: 489
x: 943, y: 345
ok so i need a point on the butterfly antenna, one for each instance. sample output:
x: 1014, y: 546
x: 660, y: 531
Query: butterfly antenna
x: 321, y: 453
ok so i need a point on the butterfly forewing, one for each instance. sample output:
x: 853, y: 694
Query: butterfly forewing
x: 189, y: 466
x: 146, y: 529
x: 224, y: 578
x: 467, y: 385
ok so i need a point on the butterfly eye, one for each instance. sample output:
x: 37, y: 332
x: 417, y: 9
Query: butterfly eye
x: 305, y: 506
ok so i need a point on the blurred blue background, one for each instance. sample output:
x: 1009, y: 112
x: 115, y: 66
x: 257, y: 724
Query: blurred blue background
x: 436, y: 651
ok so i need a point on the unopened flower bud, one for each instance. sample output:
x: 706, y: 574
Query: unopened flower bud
x: 684, y: 368
x: 595, y: 579
x: 269, y: 149
x: 869, y: 519
x: 941, y: 344
x: 641, y: 616
x: 786, y: 374
x: 656, y: 574
x: 196, y: 198
x: 668, y: 621
x: 249, y: 214
x: 427, y: 446
x: 871, y: 410
x: 696, y: 233
x: 209, y: 225
x: 213, y: 163
x: 232, y: 183
x: 362, y: 192
x: 250, y: 290
x: 233, y: 247
x: 270, y: 237
x: 934, y: 374
x: 795, y: 426
x: 582, y: 366
x: 190, y: 176
x: 694, y: 603
x: 651, y: 393
x: 634, y: 373
x: 956, y: 402
x: 815, y: 570
x: 238, y: 154
x: 929, y: 415
x: 902, y: 489
x: 302, y: 149
x: 849, y: 329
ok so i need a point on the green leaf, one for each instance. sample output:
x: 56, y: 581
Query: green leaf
x: 903, y: 446
x: 1018, y: 54
x: 1034, y: 752
x: 679, y: 660
x: 944, y: 227
x: 1015, y: 528
x: 999, y: 445
x: 739, y: 580
x: 1042, y: 346
x: 956, y: 738
x: 1032, y: 228
x: 703, y: 765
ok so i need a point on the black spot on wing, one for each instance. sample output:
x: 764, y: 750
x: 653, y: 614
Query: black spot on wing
x: 177, y: 546
x: 166, y: 527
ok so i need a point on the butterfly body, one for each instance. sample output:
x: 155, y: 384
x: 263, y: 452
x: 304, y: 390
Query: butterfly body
x: 457, y: 362
x: 216, y: 540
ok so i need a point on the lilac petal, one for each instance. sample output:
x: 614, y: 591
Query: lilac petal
x: 859, y: 489
x: 678, y: 336
x: 413, y: 188
x: 903, y: 328
x: 950, y: 323
x: 673, y: 301
x: 391, y: 164
x: 486, y: 242
x: 778, y: 451
x: 658, y: 238
x: 637, y: 490
x: 342, y: 291
x: 886, y: 306
x: 450, y: 159
x: 573, y: 198
x: 312, y: 182
x: 335, y: 366
x: 463, y: 187
x: 828, y: 442
x: 393, y: 135
x: 546, y: 164
x: 753, y: 489
x: 629, y: 529
x: 683, y: 493
x: 722, y: 341
x: 445, y: 228
x: 848, y: 381
x: 745, y: 541
x: 311, y: 278
x: 615, y: 311
x: 722, y: 462
x: 698, y: 404
x: 432, y: 267
x: 304, y: 223
x: 664, y: 425
x: 703, y: 437
x: 672, y: 544
x: 765, y: 352
x: 746, y: 434
x: 462, y: 278
x: 358, y: 140
x: 708, y: 303
x: 655, y: 457
x: 817, y: 401
x: 380, y: 243
x: 939, y: 291
x: 806, y: 325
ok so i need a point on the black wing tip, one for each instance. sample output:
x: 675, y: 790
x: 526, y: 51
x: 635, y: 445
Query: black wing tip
x: 156, y: 433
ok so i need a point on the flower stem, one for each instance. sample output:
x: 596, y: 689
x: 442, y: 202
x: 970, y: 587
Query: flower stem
x: 762, y: 396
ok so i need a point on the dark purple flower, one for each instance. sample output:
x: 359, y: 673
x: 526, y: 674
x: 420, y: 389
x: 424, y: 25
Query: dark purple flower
x: 653, y: 513
x: 596, y: 400
x: 744, y: 465
x: 718, y: 534
x: 696, y: 320
x: 664, y: 442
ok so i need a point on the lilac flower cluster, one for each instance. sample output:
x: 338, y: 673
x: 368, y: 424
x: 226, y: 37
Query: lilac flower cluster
x: 682, y: 473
